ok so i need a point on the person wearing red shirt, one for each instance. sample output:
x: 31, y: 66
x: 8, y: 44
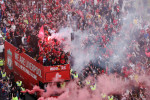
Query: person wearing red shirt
x: 23, y: 49
x: 53, y: 62
x: 40, y: 59
x: 62, y: 56
x: 62, y: 61
x: 58, y: 60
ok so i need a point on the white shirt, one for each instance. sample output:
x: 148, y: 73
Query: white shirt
x: 13, y: 27
x: 1, y: 48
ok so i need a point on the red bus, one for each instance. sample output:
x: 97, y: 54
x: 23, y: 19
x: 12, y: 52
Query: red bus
x: 31, y: 72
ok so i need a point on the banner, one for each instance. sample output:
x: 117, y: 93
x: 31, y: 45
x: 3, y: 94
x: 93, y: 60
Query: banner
x: 61, y: 72
x: 23, y: 66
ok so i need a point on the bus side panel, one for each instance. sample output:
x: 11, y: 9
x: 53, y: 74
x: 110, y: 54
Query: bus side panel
x: 60, y: 72
x: 24, y: 67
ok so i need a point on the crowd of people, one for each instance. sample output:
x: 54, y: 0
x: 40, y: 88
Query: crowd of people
x: 53, y: 54
x: 20, y: 26
x: 103, y: 19
x: 9, y: 88
x: 122, y: 45
x: 134, y: 60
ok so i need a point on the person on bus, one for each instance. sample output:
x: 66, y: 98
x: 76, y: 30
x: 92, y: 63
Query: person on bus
x: 20, y: 49
x: 62, y: 61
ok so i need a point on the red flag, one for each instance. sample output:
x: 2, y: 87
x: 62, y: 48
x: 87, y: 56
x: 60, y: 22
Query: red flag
x: 41, y: 33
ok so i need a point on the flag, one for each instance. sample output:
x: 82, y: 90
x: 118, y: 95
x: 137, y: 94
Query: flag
x: 41, y: 33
